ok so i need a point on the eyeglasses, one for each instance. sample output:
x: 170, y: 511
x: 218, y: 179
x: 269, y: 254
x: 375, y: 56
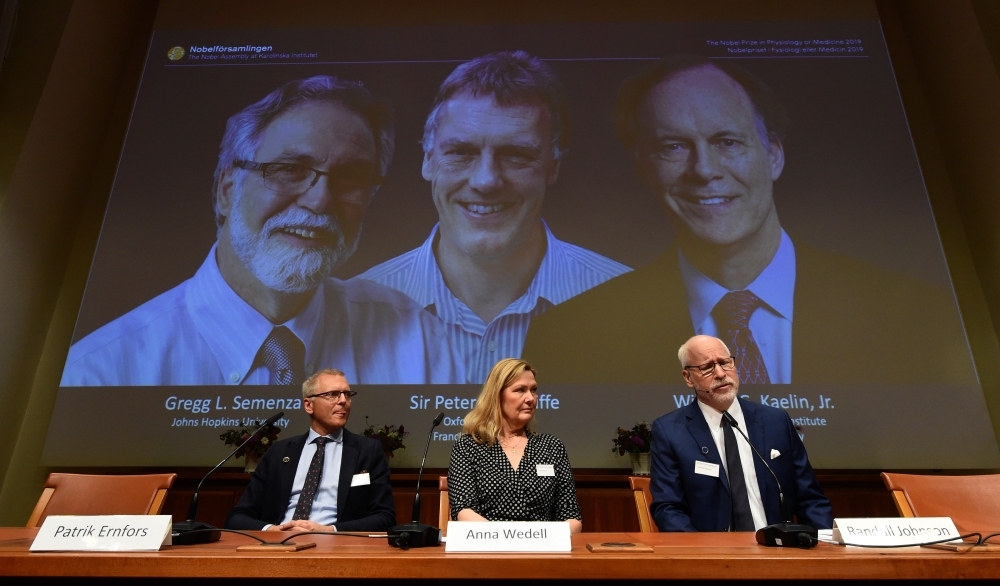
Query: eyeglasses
x: 334, y: 395
x: 708, y: 369
x: 353, y: 180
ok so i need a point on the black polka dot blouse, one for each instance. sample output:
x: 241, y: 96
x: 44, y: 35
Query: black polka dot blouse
x: 481, y: 478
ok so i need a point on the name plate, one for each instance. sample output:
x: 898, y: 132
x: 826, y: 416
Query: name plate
x: 103, y: 533
x: 508, y: 536
x: 893, y: 530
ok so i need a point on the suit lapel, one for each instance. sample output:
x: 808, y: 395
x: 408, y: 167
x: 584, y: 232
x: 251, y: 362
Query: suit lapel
x: 698, y: 427
x: 348, y: 464
x: 288, y: 469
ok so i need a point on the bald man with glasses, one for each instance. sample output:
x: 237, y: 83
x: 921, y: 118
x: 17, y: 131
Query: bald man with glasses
x: 704, y: 475
x: 328, y: 479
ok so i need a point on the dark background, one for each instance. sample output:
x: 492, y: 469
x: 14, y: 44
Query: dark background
x: 851, y: 181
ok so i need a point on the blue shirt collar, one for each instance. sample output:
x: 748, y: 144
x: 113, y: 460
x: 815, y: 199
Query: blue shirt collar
x: 775, y: 285
x: 233, y: 329
x: 337, y: 436
x: 429, y: 289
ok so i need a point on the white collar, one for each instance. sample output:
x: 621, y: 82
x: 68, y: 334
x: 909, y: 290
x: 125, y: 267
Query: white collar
x: 714, y: 417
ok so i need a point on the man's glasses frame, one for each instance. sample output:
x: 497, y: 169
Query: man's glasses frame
x: 708, y: 369
x: 371, y: 180
x: 333, y: 395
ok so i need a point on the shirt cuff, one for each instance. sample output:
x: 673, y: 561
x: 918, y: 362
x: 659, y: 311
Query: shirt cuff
x: 267, y: 527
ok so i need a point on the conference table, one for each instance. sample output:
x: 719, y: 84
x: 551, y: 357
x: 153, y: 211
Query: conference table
x: 705, y: 555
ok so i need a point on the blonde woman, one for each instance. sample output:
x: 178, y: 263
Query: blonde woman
x: 500, y: 469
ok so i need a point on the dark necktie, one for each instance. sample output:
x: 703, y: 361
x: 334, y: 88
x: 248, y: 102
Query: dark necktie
x: 732, y: 317
x: 311, y: 485
x: 284, y: 355
x: 742, y: 519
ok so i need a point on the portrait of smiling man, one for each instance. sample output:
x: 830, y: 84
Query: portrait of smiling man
x: 708, y: 138
x: 493, y: 143
x: 296, y: 172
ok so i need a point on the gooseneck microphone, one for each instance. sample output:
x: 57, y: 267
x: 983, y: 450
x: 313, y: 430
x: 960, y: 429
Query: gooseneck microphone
x: 190, y: 532
x: 786, y: 533
x: 415, y: 533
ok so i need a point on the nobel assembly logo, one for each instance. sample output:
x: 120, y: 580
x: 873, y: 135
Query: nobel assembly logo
x: 176, y: 53
x: 228, y: 49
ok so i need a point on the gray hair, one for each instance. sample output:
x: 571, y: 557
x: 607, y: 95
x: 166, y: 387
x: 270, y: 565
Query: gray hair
x: 512, y: 78
x: 244, y: 129
x: 310, y: 384
x: 682, y: 352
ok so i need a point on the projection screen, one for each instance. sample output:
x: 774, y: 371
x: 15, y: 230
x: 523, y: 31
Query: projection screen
x: 871, y: 359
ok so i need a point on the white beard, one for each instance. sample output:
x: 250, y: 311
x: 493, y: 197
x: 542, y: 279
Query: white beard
x: 282, y: 267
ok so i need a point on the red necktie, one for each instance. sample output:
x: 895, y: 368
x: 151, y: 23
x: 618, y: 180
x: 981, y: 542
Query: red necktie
x: 732, y: 317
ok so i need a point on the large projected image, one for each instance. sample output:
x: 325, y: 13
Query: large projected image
x: 410, y: 205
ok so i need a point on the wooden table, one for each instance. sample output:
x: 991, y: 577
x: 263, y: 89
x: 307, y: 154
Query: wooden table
x: 719, y: 555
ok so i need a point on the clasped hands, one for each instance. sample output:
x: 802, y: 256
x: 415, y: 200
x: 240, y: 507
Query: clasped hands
x: 302, y: 525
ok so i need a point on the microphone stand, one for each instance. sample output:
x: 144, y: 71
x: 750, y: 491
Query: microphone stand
x: 415, y: 533
x: 191, y: 532
x: 786, y: 533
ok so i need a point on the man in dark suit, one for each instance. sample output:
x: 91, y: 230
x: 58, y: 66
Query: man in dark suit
x: 326, y: 480
x: 705, y: 477
x: 707, y: 138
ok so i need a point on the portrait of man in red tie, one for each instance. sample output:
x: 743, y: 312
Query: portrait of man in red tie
x: 707, y: 138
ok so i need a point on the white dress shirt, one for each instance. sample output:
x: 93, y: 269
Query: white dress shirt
x: 324, y: 509
x: 202, y: 333
x: 566, y: 271
x: 714, y: 420
x: 771, y: 323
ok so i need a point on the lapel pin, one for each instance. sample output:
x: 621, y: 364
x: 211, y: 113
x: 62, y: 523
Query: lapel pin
x: 704, y: 450
x: 286, y: 459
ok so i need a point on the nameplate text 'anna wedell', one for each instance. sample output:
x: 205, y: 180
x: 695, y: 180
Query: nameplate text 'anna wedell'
x: 508, y: 536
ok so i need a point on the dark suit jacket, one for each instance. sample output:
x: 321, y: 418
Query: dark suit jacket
x: 359, y: 508
x: 853, y: 323
x: 686, y: 501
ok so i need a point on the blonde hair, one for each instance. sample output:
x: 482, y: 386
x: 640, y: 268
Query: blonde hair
x: 309, y: 386
x: 484, y: 422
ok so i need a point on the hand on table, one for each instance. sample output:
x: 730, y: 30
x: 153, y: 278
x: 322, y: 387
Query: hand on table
x: 302, y: 525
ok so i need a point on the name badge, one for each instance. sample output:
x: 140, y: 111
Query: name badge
x: 508, y: 536
x: 893, y: 530
x: 361, y: 479
x: 103, y: 533
x: 706, y: 468
x: 545, y: 469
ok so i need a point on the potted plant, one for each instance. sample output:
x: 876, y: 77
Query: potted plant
x: 256, y: 449
x: 635, y: 442
x: 390, y: 436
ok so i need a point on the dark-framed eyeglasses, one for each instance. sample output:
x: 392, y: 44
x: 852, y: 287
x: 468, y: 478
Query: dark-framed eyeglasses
x: 708, y: 369
x: 333, y: 396
x: 352, y: 180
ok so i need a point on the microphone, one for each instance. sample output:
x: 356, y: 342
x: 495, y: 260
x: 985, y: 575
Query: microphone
x: 786, y: 533
x: 183, y: 533
x: 415, y: 533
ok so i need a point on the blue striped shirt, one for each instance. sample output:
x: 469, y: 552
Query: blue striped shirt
x: 566, y: 271
x: 202, y: 332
